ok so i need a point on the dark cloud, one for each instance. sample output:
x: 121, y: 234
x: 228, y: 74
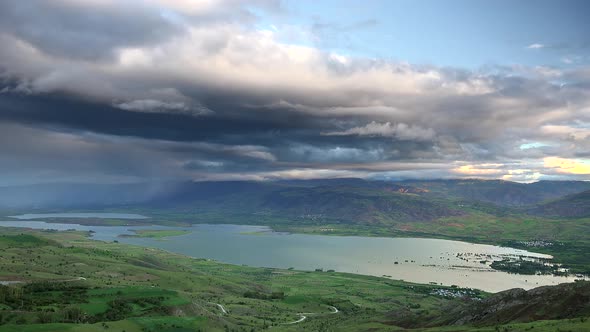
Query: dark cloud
x: 84, y: 30
x: 100, y: 90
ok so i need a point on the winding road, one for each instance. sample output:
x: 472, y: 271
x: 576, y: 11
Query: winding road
x: 303, y: 316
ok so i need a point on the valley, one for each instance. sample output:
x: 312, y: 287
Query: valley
x: 71, y: 283
x: 160, y: 264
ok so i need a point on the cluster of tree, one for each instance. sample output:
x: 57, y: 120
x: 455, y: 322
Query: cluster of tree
x: 122, y: 308
x: 264, y: 296
x: 30, y: 295
x: 528, y: 267
x: 65, y: 298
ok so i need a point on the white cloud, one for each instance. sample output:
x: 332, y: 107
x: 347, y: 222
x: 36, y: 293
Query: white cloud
x: 400, y: 131
x: 462, y: 114
x: 159, y: 106
x: 151, y: 105
x: 566, y: 132
x: 535, y: 46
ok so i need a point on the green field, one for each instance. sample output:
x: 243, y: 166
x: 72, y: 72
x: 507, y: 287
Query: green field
x: 71, y: 283
x: 154, y: 284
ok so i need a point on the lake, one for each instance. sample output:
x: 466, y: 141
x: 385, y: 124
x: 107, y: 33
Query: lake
x: 28, y: 216
x: 418, y: 260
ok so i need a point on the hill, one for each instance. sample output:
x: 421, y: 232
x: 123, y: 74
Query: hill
x: 576, y: 205
x: 517, y: 305
x: 352, y: 204
x: 342, y: 200
x: 498, y: 192
x: 63, y: 281
x: 548, y: 303
x: 351, y: 200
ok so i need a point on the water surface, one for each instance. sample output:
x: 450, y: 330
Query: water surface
x: 29, y: 216
x: 418, y: 260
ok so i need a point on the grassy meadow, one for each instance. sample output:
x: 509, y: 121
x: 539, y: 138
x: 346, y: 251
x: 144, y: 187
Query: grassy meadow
x: 63, y: 281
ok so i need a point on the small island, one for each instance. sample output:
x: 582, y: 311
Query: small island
x: 156, y: 233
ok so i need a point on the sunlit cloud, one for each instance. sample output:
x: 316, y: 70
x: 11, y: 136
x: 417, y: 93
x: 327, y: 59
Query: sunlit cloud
x: 568, y: 166
x: 522, y: 175
x: 479, y: 170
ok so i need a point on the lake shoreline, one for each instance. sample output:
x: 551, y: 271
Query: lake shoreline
x: 374, y: 256
x: 353, y: 230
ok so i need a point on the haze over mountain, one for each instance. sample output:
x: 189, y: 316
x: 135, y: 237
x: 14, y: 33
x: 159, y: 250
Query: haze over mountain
x: 343, y: 200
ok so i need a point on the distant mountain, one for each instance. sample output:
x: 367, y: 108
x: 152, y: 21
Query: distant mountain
x: 576, y: 205
x: 333, y: 200
x: 386, y: 203
x: 354, y: 183
x: 502, y: 193
x: 341, y: 200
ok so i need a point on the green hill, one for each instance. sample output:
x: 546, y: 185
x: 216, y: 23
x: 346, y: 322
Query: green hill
x: 576, y: 205
x: 501, y: 193
x: 62, y: 281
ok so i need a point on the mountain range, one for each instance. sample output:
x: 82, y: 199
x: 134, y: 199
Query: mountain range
x: 340, y: 200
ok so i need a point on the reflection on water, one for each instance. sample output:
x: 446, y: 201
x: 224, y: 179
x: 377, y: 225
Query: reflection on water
x: 411, y: 259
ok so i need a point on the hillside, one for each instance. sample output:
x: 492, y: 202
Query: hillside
x: 353, y: 204
x: 309, y: 201
x: 576, y: 205
x: 69, y: 282
x: 517, y: 305
x: 502, y: 193
x: 565, y: 301
x: 63, y: 281
x: 346, y: 200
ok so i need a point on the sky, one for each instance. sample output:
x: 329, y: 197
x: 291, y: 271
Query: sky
x: 111, y: 91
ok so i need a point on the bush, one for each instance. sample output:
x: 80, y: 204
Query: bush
x: 45, y: 317
x: 263, y: 296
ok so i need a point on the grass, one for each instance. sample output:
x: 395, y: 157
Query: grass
x: 569, y: 325
x: 22, y: 241
x: 121, y: 287
x: 188, y: 287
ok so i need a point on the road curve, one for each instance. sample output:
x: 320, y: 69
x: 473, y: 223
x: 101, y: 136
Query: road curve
x: 302, y: 316
x: 221, y: 307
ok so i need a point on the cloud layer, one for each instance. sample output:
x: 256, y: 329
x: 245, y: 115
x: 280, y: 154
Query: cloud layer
x: 101, y: 90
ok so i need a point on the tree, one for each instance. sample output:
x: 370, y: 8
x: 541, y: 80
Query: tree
x: 74, y: 314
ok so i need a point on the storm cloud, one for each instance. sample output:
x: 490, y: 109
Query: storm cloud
x: 104, y: 90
